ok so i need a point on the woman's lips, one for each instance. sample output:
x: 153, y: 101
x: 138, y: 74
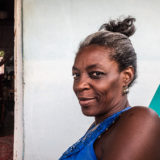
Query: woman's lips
x: 86, y: 101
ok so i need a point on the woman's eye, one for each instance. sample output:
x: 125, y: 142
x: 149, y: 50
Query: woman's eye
x: 96, y: 74
x: 75, y: 75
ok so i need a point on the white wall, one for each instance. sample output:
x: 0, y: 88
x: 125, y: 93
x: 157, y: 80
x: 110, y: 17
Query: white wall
x: 52, y: 30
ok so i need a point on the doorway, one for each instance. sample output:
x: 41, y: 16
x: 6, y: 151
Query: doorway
x: 6, y: 78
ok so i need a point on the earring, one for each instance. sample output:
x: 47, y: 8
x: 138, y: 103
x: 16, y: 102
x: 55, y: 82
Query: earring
x: 125, y: 90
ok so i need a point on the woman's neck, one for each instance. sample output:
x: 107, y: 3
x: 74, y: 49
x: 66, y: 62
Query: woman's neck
x: 115, y: 108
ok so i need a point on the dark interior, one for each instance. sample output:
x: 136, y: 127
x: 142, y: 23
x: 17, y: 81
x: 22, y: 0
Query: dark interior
x: 7, y: 67
x: 6, y: 79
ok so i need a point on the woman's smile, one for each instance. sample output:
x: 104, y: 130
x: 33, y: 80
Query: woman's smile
x: 86, y: 101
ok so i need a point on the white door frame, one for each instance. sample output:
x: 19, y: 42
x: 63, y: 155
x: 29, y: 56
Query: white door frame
x: 18, y: 93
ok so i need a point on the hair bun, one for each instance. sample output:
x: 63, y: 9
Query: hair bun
x: 125, y: 26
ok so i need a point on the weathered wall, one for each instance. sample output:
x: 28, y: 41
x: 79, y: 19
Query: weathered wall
x: 52, y: 30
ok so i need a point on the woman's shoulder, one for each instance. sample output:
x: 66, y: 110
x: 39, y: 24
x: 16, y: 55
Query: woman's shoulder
x: 143, y: 110
x: 140, y: 117
x: 140, y: 113
x: 136, y: 133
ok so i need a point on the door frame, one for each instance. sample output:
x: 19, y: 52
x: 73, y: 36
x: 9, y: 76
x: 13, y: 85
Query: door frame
x: 18, y: 83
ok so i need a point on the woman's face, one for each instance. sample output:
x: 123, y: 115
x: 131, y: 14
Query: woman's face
x: 98, y: 84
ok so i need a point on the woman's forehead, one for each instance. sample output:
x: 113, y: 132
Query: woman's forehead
x: 92, y: 57
x: 95, y: 48
x: 93, y: 54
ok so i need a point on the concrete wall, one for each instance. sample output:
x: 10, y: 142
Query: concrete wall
x: 52, y: 30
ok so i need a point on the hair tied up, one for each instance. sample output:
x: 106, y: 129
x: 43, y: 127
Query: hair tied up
x: 125, y: 26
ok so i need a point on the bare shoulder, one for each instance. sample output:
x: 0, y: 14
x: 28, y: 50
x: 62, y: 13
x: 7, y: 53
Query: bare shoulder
x: 142, y: 120
x: 135, y: 136
x: 140, y: 112
x: 141, y: 116
x: 143, y: 110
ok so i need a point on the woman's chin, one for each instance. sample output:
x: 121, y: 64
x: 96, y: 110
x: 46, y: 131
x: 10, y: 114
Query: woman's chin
x: 87, y: 111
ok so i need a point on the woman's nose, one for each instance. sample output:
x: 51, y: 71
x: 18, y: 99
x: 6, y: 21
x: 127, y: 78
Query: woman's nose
x: 81, y: 84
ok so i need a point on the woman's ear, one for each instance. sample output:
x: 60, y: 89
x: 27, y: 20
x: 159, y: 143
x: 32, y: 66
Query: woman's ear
x: 128, y: 75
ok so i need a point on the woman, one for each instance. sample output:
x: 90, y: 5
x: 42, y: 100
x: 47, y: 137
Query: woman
x: 104, y: 69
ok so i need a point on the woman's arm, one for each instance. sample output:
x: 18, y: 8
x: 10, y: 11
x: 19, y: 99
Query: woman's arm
x: 136, y: 136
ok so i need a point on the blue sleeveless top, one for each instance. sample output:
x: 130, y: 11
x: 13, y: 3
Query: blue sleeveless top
x: 83, y: 149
